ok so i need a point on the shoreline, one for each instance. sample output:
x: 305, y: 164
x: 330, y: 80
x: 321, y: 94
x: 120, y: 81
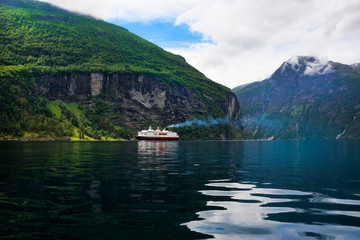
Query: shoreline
x: 58, y: 140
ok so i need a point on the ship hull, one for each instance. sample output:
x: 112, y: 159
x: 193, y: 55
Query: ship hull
x: 155, y: 138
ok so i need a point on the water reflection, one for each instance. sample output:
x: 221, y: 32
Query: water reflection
x: 93, y: 193
x: 286, y: 190
x: 157, y: 149
x: 247, y: 211
x: 147, y: 190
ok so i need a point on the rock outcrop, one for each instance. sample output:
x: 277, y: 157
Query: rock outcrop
x: 134, y: 100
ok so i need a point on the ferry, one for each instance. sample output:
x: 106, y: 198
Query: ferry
x: 157, y: 134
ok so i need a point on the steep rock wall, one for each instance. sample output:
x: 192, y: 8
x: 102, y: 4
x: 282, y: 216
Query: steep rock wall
x: 134, y: 100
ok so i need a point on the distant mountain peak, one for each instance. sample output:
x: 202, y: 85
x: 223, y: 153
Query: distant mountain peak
x: 306, y: 98
x: 307, y: 66
x: 356, y: 65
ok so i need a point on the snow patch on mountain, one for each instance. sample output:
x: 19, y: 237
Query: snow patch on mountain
x: 292, y: 63
x: 318, y: 67
x: 311, y: 66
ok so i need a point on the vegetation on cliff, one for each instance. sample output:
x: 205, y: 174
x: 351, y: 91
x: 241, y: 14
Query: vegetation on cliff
x: 39, y: 39
x: 213, y: 132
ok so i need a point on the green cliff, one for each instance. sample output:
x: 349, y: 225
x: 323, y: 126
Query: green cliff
x: 64, y: 75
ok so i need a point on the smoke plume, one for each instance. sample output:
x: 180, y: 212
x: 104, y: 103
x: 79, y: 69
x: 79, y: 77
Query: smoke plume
x: 205, y: 122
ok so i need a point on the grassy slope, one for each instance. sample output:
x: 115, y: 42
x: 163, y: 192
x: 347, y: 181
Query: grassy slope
x: 37, y: 38
x: 45, y: 38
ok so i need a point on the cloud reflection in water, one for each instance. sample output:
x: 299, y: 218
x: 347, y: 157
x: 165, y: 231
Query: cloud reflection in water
x: 245, y: 211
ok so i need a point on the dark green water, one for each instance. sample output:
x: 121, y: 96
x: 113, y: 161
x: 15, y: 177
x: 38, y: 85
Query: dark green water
x: 180, y: 190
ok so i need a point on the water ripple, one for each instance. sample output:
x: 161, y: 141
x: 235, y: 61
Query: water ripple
x: 252, y: 212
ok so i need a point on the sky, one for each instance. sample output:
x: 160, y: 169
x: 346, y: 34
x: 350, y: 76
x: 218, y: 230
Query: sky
x: 234, y: 42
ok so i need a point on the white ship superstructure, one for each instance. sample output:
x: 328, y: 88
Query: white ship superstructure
x: 157, y: 134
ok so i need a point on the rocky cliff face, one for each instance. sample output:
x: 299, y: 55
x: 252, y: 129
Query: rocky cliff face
x: 305, y: 98
x: 134, y: 100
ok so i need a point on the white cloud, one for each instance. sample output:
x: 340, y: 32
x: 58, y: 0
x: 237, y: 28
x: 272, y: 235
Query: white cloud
x: 134, y: 10
x: 318, y: 67
x: 249, y: 38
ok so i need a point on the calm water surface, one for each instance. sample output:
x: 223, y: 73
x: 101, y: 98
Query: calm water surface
x: 180, y: 190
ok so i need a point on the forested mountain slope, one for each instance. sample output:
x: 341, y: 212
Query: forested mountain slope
x: 63, y: 74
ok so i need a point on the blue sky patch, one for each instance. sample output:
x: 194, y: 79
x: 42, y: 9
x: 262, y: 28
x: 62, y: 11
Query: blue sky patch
x: 163, y: 34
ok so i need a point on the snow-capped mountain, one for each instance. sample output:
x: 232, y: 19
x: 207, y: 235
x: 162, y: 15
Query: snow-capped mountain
x: 309, y: 66
x: 306, y: 97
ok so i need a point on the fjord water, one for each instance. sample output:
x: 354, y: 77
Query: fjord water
x: 180, y: 190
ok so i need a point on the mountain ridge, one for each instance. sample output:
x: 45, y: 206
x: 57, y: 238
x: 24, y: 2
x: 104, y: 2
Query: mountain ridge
x: 305, y: 98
